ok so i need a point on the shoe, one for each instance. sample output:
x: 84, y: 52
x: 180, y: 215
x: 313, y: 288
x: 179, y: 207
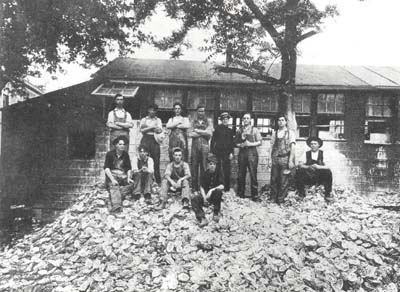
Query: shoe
x: 147, y: 199
x: 162, y: 205
x: 216, y: 218
x: 329, y: 198
x: 185, y: 204
x: 116, y: 209
x: 203, y: 222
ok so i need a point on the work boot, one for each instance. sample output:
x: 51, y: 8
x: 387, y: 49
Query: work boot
x: 329, y: 198
x: 161, y: 205
x: 216, y: 218
x: 203, y: 222
x: 185, y: 204
x: 147, y: 198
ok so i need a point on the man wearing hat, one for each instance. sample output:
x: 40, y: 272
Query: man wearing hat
x: 176, y: 177
x: 143, y: 170
x: 117, y: 168
x: 201, y: 130
x: 211, y: 187
x: 222, y: 145
x: 312, y: 169
x: 150, y: 126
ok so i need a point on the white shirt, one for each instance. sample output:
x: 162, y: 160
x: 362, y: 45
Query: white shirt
x: 120, y: 113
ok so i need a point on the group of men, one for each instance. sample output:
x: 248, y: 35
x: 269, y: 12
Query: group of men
x: 209, y: 173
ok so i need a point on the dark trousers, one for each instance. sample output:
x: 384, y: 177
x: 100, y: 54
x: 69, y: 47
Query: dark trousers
x: 279, y: 180
x: 198, y: 161
x: 143, y: 182
x: 198, y: 203
x: 314, y: 177
x: 248, y: 159
x: 224, y: 168
x: 154, y: 152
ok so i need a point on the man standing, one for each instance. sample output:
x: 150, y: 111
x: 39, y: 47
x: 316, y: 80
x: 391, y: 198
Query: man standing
x: 201, y: 131
x: 176, y: 177
x: 248, y: 138
x: 119, y: 120
x: 178, y: 136
x: 211, y: 187
x: 151, y: 126
x: 283, y: 144
x: 313, y: 170
x: 222, y: 145
x: 117, y: 167
x: 143, y: 170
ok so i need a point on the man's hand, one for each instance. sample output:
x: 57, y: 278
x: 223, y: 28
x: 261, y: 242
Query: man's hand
x: 245, y: 144
x: 114, y: 182
x: 291, y: 164
x: 157, y: 130
x: 209, y: 194
x: 179, y: 183
x: 230, y: 156
x: 144, y: 169
x: 130, y: 180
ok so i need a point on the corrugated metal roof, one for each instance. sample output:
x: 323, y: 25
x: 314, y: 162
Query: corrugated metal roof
x: 199, y: 72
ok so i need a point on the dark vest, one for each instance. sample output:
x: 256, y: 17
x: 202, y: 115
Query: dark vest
x: 141, y: 163
x: 319, y: 161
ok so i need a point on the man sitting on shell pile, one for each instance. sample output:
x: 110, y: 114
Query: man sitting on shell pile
x: 312, y: 169
x: 143, y: 172
x: 176, y: 177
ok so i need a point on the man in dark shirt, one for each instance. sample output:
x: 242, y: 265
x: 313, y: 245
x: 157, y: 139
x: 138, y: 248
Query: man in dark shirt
x: 117, y: 168
x: 211, y: 187
x: 222, y: 145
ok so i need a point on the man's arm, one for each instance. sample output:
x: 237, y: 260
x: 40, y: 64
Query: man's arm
x: 128, y: 123
x: 292, y: 142
x: 110, y: 122
x: 193, y: 133
x: 110, y: 176
x: 185, y: 123
x: 206, y: 132
x: 150, y: 165
x: 144, y: 128
x: 171, y: 124
x: 258, y: 139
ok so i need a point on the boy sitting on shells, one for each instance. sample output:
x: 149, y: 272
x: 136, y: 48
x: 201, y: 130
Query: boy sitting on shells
x: 176, y: 177
x: 143, y: 173
x: 211, y: 188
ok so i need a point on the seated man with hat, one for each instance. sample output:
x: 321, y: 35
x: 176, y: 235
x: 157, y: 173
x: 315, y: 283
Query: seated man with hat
x: 312, y: 169
x: 117, y: 168
x: 176, y: 177
x: 211, y: 187
x: 143, y: 172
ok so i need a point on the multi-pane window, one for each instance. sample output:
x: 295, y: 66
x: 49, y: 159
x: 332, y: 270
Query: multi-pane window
x: 265, y: 107
x: 165, y: 99
x: 330, y: 118
x: 302, y: 108
x: 265, y: 126
x: 233, y: 100
x: 378, y: 119
x: 203, y: 97
x: 265, y: 102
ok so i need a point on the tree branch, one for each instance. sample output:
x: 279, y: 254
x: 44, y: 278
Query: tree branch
x: 256, y: 75
x: 262, y: 18
x: 306, y: 35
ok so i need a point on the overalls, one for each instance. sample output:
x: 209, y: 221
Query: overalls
x: 200, y: 149
x: 314, y: 176
x: 114, y: 133
x: 280, y: 168
x: 178, y: 138
x: 248, y: 158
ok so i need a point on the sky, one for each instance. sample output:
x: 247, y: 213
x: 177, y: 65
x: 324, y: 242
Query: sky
x: 365, y: 33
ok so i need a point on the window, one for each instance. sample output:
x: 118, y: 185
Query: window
x: 198, y: 97
x: 81, y: 144
x: 165, y: 99
x: 265, y: 107
x: 302, y: 108
x: 233, y: 100
x: 330, y: 116
x: 378, y: 121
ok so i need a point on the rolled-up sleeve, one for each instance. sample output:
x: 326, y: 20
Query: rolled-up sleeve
x: 292, y: 137
x: 168, y: 170
x: 150, y: 165
x: 186, y: 169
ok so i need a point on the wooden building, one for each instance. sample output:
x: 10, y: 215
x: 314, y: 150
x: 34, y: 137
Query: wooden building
x: 56, y: 143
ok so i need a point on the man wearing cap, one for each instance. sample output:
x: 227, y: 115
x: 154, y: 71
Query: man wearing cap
x: 117, y: 167
x: 143, y: 170
x: 312, y: 169
x: 176, y: 177
x: 248, y: 138
x: 283, y: 143
x: 119, y: 120
x: 201, y: 130
x: 211, y: 187
x: 150, y: 126
x: 222, y: 145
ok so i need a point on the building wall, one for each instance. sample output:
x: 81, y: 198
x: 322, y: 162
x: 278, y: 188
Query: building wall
x: 39, y: 170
